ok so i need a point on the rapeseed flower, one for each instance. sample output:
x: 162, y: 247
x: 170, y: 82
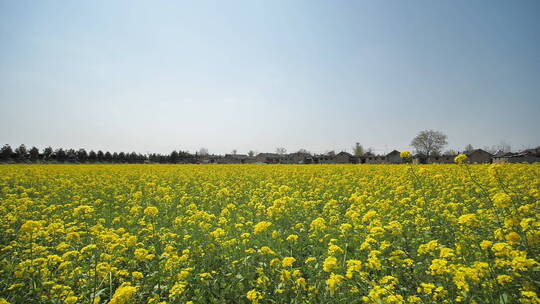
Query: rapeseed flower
x: 330, y: 263
x: 375, y: 234
x: 405, y: 154
x: 254, y: 296
x: 123, y: 294
x: 503, y: 279
x: 31, y: 227
x: 261, y: 227
x: 502, y: 200
x: 151, y: 211
x: 460, y: 159
x: 287, y: 262
x: 333, y: 282
x: 467, y: 219
x: 513, y: 238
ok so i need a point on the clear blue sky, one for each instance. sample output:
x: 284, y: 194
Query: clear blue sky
x: 320, y: 75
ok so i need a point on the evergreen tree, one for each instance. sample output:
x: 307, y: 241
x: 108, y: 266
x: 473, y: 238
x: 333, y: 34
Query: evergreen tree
x: 122, y: 157
x: 82, y: 156
x: 47, y: 153
x: 108, y: 157
x: 173, y: 158
x: 92, y: 156
x: 21, y: 153
x: 60, y: 155
x: 34, y: 154
x: 100, y: 156
x: 5, y: 153
x: 71, y: 156
x: 134, y: 158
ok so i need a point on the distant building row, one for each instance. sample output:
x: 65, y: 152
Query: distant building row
x: 477, y: 156
x: 48, y: 155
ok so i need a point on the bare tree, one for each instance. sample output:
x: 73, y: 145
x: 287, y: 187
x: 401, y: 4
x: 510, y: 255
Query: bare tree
x: 234, y: 152
x: 203, y: 151
x: 429, y: 142
x: 501, y: 147
x: 504, y: 147
x: 281, y: 151
x: 358, y: 149
x: 251, y: 153
x: 468, y: 148
x: 303, y: 151
x: 450, y: 152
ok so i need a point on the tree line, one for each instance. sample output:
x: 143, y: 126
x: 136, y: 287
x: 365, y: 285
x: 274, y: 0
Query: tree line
x: 22, y: 154
x: 427, y: 143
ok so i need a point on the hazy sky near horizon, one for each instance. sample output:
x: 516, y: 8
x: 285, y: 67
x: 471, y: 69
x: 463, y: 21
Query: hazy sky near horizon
x: 255, y: 75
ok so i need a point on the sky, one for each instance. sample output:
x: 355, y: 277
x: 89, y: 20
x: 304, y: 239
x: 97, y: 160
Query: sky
x: 157, y: 76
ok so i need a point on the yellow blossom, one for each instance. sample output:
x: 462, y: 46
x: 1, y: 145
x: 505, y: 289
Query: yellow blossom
x: 177, y: 289
x: 502, y: 200
x: 151, y: 211
x: 330, y: 263
x: 261, y: 227
x: 333, y: 282
x: 71, y: 300
x: 287, y: 262
x: 503, y: 279
x: 123, y: 294
x: 513, y: 237
x: 460, y: 159
x: 254, y: 296
x: 405, y: 154
x: 31, y: 227
x: 485, y: 245
x: 292, y: 238
x: 467, y: 219
x: 438, y: 267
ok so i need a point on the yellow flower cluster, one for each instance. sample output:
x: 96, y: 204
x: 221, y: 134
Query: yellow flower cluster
x: 460, y: 159
x: 151, y: 211
x: 123, y: 294
x: 405, y: 154
x: 254, y: 296
x: 261, y: 227
x: 278, y: 233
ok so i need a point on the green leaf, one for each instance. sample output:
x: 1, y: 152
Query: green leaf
x: 503, y: 298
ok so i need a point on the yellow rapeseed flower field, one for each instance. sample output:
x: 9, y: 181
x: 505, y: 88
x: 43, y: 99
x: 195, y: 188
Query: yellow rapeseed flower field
x: 270, y: 234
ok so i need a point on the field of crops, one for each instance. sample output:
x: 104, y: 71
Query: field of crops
x: 269, y: 234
